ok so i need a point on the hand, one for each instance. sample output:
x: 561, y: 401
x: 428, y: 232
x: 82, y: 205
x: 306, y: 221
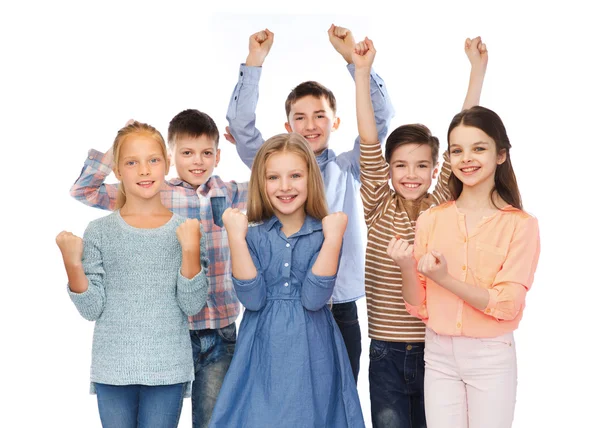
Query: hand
x: 71, y: 247
x: 401, y: 252
x: 342, y: 40
x: 334, y: 225
x: 228, y: 136
x: 477, y: 53
x: 258, y: 47
x: 189, y: 234
x: 433, y: 265
x: 235, y: 222
x: 129, y: 122
x: 363, y: 54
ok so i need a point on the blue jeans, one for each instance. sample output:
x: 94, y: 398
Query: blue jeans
x: 213, y: 351
x: 140, y: 406
x: 396, y: 378
x: 346, y: 317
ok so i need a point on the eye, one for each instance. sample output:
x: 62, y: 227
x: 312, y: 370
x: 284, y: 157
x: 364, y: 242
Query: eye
x: 320, y: 116
x: 208, y: 153
x: 479, y: 149
x: 155, y: 160
x: 296, y: 175
x: 423, y: 166
x: 400, y: 165
x: 299, y: 118
x: 129, y: 163
x: 271, y: 177
x: 186, y: 153
x: 455, y: 151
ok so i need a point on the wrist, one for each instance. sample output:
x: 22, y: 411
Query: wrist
x: 254, y: 60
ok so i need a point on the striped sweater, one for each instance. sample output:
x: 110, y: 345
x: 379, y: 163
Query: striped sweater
x: 386, y: 215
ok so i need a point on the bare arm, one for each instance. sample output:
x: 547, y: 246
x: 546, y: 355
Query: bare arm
x: 478, y: 57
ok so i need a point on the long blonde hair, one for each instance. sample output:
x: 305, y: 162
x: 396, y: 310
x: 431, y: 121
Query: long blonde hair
x: 259, y: 206
x: 134, y: 129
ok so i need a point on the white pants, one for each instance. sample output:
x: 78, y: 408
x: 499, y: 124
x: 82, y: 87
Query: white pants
x: 470, y: 382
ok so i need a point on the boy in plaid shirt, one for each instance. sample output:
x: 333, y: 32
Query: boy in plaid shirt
x: 193, y: 140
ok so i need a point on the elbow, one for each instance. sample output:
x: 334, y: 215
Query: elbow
x: 313, y: 305
x: 254, y: 304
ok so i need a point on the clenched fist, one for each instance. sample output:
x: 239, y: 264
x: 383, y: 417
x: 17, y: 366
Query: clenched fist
x: 477, y: 53
x: 189, y: 234
x: 334, y: 225
x: 363, y: 54
x: 401, y: 252
x: 342, y: 40
x: 235, y: 222
x: 71, y: 247
x: 433, y: 265
x: 259, y: 46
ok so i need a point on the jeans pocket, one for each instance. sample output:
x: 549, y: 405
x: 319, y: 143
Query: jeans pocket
x: 228, y: 334
x: 378, y: 350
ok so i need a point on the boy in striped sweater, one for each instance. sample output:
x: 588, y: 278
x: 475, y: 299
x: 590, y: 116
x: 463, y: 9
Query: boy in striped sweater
x: 396, y: 370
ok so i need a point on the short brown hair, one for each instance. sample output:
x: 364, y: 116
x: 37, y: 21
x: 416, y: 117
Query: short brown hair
x: 412, y: 134
x: 309, y: 89
x: 192, y: 123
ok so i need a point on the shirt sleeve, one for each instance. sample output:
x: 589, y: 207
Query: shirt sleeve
x: 241, y: 114
x: 90, y: 303
x: 507, y: 294
x: 193, y: 292
x: 422, y: 230
x: 441, y: 192
x: 239, y: 196
x: 384, y: 112
x: 90, y: 188
x: 252, y: 293
x: 316, y: 290
x: 374, y: 175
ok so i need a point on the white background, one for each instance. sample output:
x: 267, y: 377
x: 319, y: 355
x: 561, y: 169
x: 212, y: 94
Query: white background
x: 72, y: 73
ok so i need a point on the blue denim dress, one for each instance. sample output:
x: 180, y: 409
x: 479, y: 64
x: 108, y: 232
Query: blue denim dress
x: 290, y: 367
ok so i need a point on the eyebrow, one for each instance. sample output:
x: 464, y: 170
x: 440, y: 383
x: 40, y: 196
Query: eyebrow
x: 404, y: 161
x: 316, y: 111
x: 474, y: 144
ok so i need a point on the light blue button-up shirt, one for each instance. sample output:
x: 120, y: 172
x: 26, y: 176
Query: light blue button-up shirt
x: 340, y: 172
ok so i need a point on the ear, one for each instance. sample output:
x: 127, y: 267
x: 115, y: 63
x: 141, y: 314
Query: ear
x: 167, y: 165
x: 501, y: 158
x: 217, y: 157
x: 116, y: 173
x: 336, y: 124
x: 288, y: 127
x: 436, y: 171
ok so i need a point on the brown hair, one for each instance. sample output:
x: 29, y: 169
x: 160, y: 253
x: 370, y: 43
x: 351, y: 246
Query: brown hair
x: 309, y: 89
x: 192, y: 123
x: 505, y: 181
x: 412, y: 134
x: 131, y: 130
x: 259, y: 206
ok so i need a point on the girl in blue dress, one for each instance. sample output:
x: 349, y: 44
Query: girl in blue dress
x: 290, y: 367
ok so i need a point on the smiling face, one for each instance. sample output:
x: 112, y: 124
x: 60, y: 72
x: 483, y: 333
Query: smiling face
x: 141, y: 167
x: 286, y: 184
x: 314, y: 119
x: 473, y: 156
x: 195, y: 158
x: 412, y: 170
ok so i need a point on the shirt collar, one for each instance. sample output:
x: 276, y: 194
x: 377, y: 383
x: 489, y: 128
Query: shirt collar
x: 310, y: 225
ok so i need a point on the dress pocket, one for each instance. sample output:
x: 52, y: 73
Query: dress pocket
x: 489, y: 262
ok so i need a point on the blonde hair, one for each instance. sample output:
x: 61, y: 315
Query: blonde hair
x: 259, y: 206
x: 131, y: 130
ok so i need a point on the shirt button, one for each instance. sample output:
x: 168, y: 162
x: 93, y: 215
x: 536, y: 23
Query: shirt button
x: 287, y: 245
x: 90, y: 157
x: 464, y: 267
x: 465, y: 240
x: 458, y: 325
x: 487, y: 311
x: 286, y: 264
x: 409, y: 347
x: 286, y: 284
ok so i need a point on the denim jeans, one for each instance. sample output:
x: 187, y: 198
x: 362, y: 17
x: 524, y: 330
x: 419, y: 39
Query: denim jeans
x: 140, y: 406
x: 213, y: 351
x: 346, y: 317
x: 396, y: 379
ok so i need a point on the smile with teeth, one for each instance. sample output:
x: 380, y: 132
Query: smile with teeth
x: 411, y: 185
x: 311, y: 136
x: 197, y: 171
x: 287, y: 198
x: 469, y: 169
x: 145, y: 183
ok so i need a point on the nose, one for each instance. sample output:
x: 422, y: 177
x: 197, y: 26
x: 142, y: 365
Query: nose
x: 197, y: 159
x: 310, y: 123
x: 144, y: 168
x: 285, y: 184
x: 412, y: 172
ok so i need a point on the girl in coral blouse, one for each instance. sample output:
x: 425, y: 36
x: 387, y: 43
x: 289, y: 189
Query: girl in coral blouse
x: 473, y: 262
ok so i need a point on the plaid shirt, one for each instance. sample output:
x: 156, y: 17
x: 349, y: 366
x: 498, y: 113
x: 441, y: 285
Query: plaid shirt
x: 207, y: 204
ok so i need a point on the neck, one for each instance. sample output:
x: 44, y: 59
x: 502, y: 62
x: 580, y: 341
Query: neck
x: 147, y: 207
x: 291, y: 223
x: 478, y: 199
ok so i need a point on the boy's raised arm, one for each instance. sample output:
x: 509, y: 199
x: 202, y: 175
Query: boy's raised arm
x: 241, y: 113
x: 89, y: 188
